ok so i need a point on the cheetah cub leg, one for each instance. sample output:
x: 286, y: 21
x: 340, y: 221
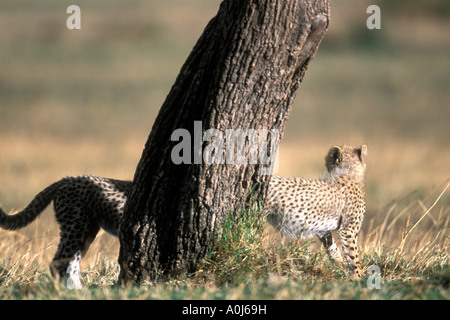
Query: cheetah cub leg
x: 349, y: 241
x: 330, y: 245
x: 73, y: 281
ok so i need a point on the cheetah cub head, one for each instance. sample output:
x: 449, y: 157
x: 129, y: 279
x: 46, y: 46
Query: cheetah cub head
x: 346, y: 160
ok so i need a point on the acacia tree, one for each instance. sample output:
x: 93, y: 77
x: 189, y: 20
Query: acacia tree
x: 242, y: 74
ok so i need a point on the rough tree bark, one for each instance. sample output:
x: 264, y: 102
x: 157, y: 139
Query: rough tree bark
x: 242, y: 73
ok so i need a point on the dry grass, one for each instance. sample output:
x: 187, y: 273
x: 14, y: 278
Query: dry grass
x: 253, y: 261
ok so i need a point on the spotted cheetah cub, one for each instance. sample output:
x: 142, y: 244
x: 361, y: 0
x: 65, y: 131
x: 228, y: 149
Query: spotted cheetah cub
x: 83, y: 205
x: 302, y: 208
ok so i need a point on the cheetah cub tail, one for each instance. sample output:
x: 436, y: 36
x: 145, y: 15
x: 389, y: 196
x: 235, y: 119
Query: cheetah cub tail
x: 31, y: 212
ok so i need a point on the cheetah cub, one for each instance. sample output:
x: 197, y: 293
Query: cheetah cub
x: 83, y: 205
x: 302, y: 208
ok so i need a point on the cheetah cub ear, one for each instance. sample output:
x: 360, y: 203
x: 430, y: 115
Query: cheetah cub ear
x: 336, y: 154
x: 363, y: 151
x: 333, y: 158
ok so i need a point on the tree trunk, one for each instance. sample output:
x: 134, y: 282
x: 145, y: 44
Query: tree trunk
x: 242, y: 74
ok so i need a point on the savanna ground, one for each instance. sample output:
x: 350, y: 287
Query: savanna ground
x: 75, y: 102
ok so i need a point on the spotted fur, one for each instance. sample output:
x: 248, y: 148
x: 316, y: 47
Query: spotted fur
x: 82, y: 205
x: 302, y: 208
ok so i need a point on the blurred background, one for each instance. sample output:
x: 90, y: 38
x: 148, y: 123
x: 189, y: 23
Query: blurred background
x: 84, y: 101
